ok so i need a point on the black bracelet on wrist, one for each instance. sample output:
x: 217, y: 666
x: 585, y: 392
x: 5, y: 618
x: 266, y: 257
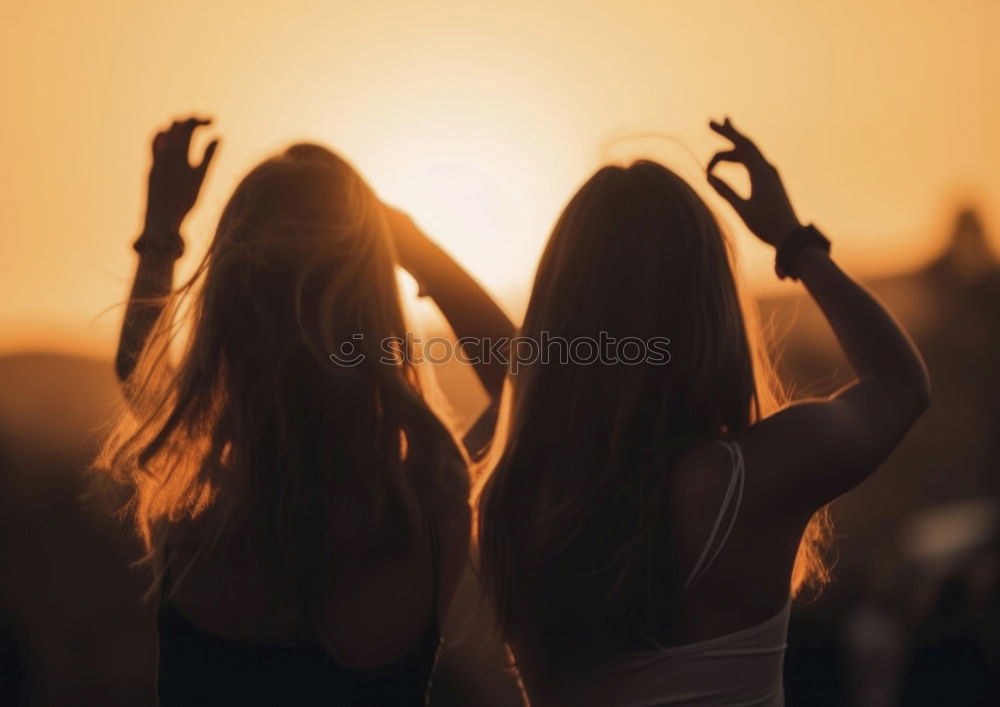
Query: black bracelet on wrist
x: 795, y: 242
x: 164, y: 243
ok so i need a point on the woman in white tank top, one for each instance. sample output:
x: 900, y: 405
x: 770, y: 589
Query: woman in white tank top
x: 633, y: 559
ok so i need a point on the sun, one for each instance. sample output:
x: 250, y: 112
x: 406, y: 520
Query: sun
x: 468, y: 192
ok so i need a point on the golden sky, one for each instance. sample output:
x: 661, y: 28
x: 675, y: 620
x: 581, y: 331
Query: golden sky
x: 481, y: 119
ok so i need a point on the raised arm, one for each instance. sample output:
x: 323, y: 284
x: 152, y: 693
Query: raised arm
x: 817, y: 450
x: 476, y: 319
x: 173, y: 189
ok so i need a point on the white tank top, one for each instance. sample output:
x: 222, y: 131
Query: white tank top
x: 741, y: 669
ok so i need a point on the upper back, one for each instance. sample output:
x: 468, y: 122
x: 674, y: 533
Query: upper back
x: 366, y: 635
x: 734, y: 555
x: 739, y: 574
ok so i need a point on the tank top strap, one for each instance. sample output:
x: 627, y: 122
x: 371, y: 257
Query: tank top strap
x: 730, y: 506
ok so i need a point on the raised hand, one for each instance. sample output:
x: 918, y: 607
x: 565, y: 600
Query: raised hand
x: 767, y: 211
x: 471, y: 312
x: 174, y: 182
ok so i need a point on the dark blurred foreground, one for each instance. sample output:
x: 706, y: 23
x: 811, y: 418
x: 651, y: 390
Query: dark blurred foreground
x: 912, y: 618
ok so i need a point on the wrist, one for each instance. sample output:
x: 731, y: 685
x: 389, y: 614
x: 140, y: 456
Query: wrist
x: 785, y: 230
x: 808, y: 260
x: 794, y: 246
x: 154, y: 228
x: 159, y: 241
x: 157, y: 224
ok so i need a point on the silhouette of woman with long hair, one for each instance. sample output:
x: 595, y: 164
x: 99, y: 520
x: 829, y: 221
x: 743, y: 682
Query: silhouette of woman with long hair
x: 644, y: 527
x: 306, y: 515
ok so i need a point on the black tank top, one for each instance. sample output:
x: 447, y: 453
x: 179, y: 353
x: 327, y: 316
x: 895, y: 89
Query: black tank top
x: 201, y: 668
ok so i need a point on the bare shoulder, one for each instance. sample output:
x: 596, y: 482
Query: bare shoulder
x: 701, y: 472
x: 384, y: 611
x: 699, y: 481
x: 711, y: 490
x: 726, y: 510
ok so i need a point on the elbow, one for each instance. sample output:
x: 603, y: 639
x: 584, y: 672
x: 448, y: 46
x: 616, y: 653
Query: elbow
x: 913, y: 385
x: 904, y: 397
x: 920, y: 397
x: 924, y: 397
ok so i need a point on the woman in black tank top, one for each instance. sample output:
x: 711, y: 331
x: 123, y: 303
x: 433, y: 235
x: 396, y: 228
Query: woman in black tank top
x: 201, y: 668
x: 294, y: 489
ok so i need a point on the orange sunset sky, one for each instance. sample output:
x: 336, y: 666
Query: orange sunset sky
x: 481, y: 119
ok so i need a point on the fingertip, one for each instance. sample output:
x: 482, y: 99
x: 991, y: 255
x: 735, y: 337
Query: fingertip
x: 207, y: 158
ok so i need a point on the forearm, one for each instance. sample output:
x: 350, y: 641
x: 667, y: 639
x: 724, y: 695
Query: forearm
x: 876, y: 346
x: 150, y: 292
x: 469, y: 309
x: 174, y: 184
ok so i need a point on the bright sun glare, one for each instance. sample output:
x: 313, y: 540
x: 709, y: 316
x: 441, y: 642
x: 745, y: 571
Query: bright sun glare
x: 477, y: 193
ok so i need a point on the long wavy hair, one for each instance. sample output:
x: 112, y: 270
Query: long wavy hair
x: 573, y: 546
x: 257, y: 433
